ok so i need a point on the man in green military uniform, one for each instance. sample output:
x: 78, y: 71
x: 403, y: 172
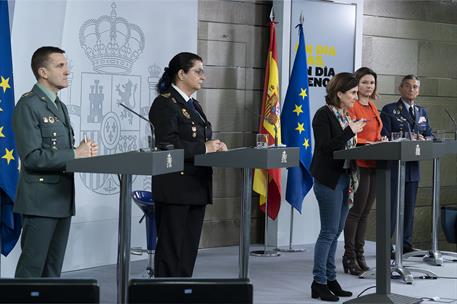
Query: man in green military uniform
x: 45, y: 193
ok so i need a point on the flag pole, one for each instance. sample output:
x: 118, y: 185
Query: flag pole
x: 291, y: 232
x: 291, y: 229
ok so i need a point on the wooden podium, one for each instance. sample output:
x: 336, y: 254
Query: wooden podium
x: 247, y: 159
x: 128, y: 164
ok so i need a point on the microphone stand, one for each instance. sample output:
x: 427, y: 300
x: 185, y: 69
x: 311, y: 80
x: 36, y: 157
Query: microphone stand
x: 399, y: 119
x: 152, y: 143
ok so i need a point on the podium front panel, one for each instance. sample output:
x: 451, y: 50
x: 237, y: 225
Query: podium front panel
x: 404, y: 151
x: 275, y: 157
x: 134, y: 163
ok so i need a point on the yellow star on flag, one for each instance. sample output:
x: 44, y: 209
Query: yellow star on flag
x: 306, y: 143
x: 298, y: 109
x: 303, y: 93
x: 1, y: 132
x: 4, y: 84
x: 8, y: 155
x: 300, y: 127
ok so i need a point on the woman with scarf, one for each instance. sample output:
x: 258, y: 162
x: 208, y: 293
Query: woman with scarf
x: 335, y: 181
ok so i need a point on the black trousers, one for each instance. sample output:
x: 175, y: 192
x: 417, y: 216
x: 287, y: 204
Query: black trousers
x: 178, y: 229
x: 356, y: 222
x: 43, y: 244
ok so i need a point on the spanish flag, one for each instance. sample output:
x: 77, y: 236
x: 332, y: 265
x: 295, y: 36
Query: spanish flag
x: 270, y: 125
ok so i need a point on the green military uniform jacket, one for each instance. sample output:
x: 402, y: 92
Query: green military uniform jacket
x: 44, y: 142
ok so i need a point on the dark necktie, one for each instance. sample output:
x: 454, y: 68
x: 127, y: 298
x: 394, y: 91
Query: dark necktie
x: 191, y: 105
x: 411, y: 112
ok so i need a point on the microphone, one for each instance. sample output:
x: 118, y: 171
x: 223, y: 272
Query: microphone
x: 453, y: 121
x: 400, y: 119
x: 152, y: 144
x: 270, y: 121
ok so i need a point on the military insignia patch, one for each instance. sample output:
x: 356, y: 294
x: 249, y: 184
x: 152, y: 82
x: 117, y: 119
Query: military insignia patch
x: 45, y: 120
x: 185, y: 113
x: 51, y: 119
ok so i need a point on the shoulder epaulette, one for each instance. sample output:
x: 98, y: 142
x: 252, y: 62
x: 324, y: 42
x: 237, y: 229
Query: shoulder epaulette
x: 27, y: 94
x: 166, y: 95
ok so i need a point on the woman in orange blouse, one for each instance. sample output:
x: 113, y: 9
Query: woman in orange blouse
x: 356, y: 222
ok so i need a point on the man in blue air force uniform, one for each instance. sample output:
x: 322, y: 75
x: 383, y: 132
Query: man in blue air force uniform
x: 406, y: 116
x: 45, y: 193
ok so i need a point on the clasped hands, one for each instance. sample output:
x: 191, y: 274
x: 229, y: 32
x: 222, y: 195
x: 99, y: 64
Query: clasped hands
x: 215, y: 145
x: 86, y: 148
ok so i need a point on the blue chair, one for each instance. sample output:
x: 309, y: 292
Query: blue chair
x: 143, y: 199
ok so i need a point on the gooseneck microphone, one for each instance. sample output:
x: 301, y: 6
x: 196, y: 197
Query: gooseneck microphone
x: 152, y: 144
x: 400, y: 119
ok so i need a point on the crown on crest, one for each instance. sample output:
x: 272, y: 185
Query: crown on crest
x: 111, y: 43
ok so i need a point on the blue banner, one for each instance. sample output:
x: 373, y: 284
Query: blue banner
x: 296, y: 127
x: 9, y: 162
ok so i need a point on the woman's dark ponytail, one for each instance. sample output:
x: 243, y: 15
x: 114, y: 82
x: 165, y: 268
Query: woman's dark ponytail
x: 165, y: 81
x: 182, y: 61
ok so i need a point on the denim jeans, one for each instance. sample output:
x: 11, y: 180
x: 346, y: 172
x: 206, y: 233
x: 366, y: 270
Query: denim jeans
x: 333, y: 210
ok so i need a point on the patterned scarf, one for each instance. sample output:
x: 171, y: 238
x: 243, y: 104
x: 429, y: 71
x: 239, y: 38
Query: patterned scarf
x: 343, y: 119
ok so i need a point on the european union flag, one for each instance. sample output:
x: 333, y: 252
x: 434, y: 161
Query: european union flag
x: 10, y: 222
x: 296, y: 127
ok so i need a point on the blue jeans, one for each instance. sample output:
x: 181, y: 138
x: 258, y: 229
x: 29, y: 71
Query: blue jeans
x: 333, y: 210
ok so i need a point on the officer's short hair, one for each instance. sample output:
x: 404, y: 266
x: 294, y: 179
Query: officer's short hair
x: 409, y: 77
x: 40, y: 58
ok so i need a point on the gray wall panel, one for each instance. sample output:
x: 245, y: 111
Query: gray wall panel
x: 250, y: 13
x: 389, y: 55
x: 222, y: 53
x: 233, y: 41
x: 409, y: 29
x: 435, y: 11
x: 420, y: 37
x: 437, y: 60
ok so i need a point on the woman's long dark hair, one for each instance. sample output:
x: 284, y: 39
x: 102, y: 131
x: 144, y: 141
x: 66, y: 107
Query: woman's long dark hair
x: 367, y: 71
x: 182, y: 61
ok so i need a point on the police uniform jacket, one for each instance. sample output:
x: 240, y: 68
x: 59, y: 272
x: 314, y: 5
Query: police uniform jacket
x: 177, y: 123
x: 395, y: 117
x: 44, y: 142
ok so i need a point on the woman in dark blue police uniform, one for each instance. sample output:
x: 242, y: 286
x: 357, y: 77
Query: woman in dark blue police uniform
x: 181, y: 197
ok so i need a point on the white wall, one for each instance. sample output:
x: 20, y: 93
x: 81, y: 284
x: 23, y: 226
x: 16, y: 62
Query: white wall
x: 166, y: 28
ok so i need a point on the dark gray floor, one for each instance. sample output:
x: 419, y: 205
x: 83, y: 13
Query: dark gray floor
x: 285, y: 279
